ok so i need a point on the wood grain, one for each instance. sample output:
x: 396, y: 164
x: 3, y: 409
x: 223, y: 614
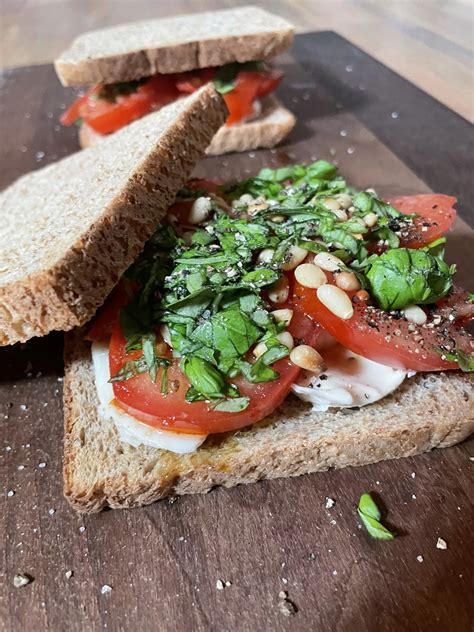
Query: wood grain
x: 162, y: 562
x: 430, y: 43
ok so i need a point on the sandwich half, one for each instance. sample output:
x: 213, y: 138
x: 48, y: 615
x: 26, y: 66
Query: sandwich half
x: 140, y: 67
x: 273, y: 327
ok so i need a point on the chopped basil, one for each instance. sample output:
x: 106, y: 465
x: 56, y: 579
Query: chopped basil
x: 224, y: 81
x: 211, y: 292
x: 370, y: 515
x: 405, y: 276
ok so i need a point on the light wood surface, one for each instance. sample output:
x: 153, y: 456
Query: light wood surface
x: 429, y: 42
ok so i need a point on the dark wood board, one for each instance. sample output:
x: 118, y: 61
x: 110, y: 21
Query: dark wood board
x: 163, y: 561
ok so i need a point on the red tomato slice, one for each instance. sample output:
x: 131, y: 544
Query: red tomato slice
x: 250, y: 85
x: 73, y: 113
x: 378, y: 336
x: 436, y: 217
x: 189, y: 82
x: 143, y: 399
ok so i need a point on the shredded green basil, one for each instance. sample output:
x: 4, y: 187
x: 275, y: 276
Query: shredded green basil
x: 370, y: 515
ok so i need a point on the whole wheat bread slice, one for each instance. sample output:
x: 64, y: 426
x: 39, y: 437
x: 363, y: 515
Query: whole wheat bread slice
x: 428, y: 411
x: 71, y: 229
x: 176, y: 44
x: 269, y: 129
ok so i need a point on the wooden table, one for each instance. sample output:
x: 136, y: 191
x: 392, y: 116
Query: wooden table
x: 162, y: 562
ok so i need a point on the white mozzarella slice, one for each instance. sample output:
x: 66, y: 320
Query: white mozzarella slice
x: 350, y: 380
x: 130, y: 430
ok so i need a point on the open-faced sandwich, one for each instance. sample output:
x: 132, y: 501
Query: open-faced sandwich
x: 272, y: 327
x: 138, y: 68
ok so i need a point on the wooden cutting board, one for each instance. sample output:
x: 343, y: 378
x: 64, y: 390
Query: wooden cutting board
x: 162, y: 562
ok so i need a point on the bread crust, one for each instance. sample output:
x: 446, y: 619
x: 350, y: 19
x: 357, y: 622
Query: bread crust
x: 176, y: 44
x: 268, y: 130
x: 65, y: 289
x: 427, y: 411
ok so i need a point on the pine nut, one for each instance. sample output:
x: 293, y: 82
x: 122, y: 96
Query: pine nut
x: 278, y: 219
x: 345, y: 200
x: 282, y: 315
x: 295, y: 256
x: 252, y: 209
x: 358, y: 236
x: 336, y: 300
x: 370, y: 219
x: 200, y: 210
x: 347, y: 281
x: 279, y: 291
x: 265, y: 255
x: 284, y: 337
x: 307, y: 358
x: 331, y: 204
x: 246, y: 198
x: 341, y: 215
x: 415, y: 314
x: 310, y: 275
x: 327, y: 261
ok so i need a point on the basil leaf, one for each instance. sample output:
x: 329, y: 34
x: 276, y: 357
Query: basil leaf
x: 193, y: 305
x: 149, y: 346
x: 465, y: 361
x: 261, y: 277
x: 404, y: 276
x: 370, y: 515
x: 230, y: 332
x: 258, y: 372
x: 234, y: 405
x: 207, y: 380
x: 368, y: 507
x: 385, y: 234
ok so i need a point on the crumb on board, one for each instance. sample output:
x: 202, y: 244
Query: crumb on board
x: 330, y: 502
x: 285, y: 605
x: 419, y: 558
x: 441, y: 544
x: 68, y: 574
x: 21, y: 579
x: 106, y: 589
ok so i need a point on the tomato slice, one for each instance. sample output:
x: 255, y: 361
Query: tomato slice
x: 143, y: 399
x: 380, y: 337
x: 436, y: 216
x: 250, y: 85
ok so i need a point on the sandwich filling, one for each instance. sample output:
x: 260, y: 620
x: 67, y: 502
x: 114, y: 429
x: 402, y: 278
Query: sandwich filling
x: 107, y: 108
x: 287, y: 282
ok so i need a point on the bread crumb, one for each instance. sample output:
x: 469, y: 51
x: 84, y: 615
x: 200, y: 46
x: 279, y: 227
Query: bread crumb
x: 21, y: 579
x: 23, y: 407
x: 441, y: 544
x: 419, y: 558
x: 42, y: 465
x: 106, y: 589
x: 311, y: 556
x: 334, y: 572
x: 413, y: 496
x: 330, y: 502
x: 10, y: 493
x: 51, y: 511
x: 82, y: 529
x: 220, y: 584
x: 68, y: 574
x: 228, y: 583
x: 284, y: 580
x: 285, y: 606
x: 413, y: 474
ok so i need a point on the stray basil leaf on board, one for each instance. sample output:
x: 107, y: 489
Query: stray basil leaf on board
x: 370, y: 515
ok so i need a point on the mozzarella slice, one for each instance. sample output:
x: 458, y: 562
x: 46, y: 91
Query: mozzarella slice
x: 130, y: 430
x: 350, y: 380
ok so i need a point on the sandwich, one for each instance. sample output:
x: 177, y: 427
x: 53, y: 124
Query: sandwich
x: 222, y: 333
x: 271, y: 327
x: 137, y: 68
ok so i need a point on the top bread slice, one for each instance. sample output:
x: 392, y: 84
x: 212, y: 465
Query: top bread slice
x: 431, y: 410
x: 176, y: 44
x: 71, y: 229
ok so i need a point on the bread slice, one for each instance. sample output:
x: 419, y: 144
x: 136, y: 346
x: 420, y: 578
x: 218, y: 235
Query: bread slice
x: 428, y: 411
x: 176, y: 44
x: 71, y: 229
x: 269, y: 129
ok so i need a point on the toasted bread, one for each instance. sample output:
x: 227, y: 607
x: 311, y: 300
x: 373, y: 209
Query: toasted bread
x: 71, y: 229
x: 428, y: 411
x: 176, y: 44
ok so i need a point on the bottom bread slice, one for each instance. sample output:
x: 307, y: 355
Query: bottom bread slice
x: 269, y: 129
x: 428, y: 411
